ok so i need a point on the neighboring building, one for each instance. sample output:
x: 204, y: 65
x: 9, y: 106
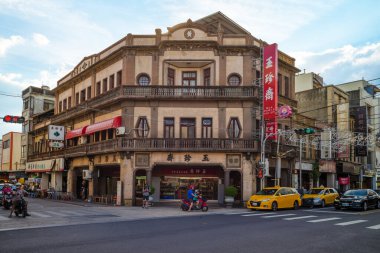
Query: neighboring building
x: 3, y: 175
x: 329, y: 106
x: 363, y: 108
x: 11, y: 155
x: 35, y: 100
x: 310, y: 154
x: 308, y: 81
x: 48, y: 172
x: 189, y: 106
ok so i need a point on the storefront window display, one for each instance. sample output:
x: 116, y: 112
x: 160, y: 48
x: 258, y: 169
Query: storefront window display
x: 177, y: 187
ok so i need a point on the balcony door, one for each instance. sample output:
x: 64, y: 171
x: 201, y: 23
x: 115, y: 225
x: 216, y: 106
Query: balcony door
x: 189, y: 78
x: 187, y: 131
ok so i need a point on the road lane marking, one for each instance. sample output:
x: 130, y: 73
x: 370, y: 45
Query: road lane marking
x: 322, y: 220
x: 4, y: 218
x: 74, y: 213
x: 255, y: 214
x: 279, y: 215
x: 40, y: 215
x: 334, y: 212
x: 56, y: 213
x: 350, y: 222
x: 300, y: 217
x: 238, y: 213
x: 374, y: 227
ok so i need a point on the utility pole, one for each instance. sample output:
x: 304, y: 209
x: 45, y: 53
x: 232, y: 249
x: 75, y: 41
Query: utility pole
x: 278, y: 160
x: 300, y: 163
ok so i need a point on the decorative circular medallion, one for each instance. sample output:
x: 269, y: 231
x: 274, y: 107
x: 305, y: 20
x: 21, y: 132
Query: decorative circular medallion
x: 189, y: 34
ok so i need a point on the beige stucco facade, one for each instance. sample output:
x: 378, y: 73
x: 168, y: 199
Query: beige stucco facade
x: 200, y: 74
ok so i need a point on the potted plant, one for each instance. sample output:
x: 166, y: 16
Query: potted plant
x: 230, y: 194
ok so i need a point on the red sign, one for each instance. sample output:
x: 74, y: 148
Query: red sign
x: 260, y: 173
x: 270, y: 67
x: 344, y: 180
x: 271, y: 130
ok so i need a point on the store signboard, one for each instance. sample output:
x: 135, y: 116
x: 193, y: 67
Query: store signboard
x: 56, y: 133
x: 270, y: 92
x: 45, y: 165
x: 327, y: 166
x: 187, y: 172
x: 344, y: 180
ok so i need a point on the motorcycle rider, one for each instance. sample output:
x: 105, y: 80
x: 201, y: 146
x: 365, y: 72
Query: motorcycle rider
x: 6, y: 190
x: 190, y: 196
x: 19, y: 198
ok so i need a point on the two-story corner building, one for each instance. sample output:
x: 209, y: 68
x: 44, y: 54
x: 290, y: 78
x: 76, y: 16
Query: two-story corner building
x: 329, y: 105
x: 11, y: 156
x: 169, y: 109
x: 35, y: 101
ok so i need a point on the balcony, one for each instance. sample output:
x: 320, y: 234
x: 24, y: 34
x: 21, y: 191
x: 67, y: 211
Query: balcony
x: 152, y: 144
x: 158, y: 92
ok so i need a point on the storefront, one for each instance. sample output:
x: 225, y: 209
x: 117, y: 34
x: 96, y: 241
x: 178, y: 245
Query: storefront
x: 327, y: 168
x: 307, y: 177
x: 348, y: 176
x: 51, y: 173
x: 172, y: 182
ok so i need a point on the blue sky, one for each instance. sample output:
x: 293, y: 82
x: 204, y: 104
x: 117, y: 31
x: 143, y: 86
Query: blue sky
x: 41, y: 40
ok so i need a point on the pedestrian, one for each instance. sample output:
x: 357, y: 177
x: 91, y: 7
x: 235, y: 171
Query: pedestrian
x: 146, y: 193
x: 190, y: 196
x: 84, y: 191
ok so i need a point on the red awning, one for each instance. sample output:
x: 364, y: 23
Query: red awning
x: 107, y: 124
x: 75, y: 133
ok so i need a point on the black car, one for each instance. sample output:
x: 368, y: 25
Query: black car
x: 358, y: 199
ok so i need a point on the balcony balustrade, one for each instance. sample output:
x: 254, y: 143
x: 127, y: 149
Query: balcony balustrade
x: 158, y: 92
x: 152, y: 144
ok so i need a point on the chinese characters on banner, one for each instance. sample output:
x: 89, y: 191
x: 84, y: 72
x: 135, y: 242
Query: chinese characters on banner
x: 270, y: 68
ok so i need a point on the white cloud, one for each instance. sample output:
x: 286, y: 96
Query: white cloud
x: 6, y: 43
x: 343, y: 64
x: 272, y: 21
x: 40, y: 39
x: 44, y: 77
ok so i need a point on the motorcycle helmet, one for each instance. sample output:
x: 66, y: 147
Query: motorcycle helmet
x: 18, y: 184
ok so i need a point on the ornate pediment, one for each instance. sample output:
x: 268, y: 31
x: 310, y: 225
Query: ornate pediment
x: 189, y: 24
x: 84, y: 64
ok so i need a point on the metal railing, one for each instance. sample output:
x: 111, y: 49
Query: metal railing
x: 152, y: 144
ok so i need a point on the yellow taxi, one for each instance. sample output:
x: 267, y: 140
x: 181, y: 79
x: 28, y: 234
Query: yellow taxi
x: 273, y: 198
x: 319, y: 196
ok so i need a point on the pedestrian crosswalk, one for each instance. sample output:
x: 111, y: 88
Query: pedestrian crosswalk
x: 46, y: 214
x: 313, y: 219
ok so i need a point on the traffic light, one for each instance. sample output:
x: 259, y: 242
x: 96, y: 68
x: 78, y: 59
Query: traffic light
x: 13, y: 119
x: 302, y: 131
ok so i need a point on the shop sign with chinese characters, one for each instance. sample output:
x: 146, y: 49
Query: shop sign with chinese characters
x: 270, y: 69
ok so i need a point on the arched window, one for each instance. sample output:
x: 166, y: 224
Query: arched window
x: 143, y: 79
x: 234, y: 128
x: 234, y: 79
x: 142, y: 127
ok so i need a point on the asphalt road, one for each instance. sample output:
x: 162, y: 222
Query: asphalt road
x: 316, y: 230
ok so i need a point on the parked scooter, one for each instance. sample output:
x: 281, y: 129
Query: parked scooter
x: 7, y: 200
x: 202, y: 205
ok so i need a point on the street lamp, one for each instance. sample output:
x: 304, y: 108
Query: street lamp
x: 262, y: 158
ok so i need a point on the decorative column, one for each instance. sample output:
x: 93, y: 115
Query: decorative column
x: 226, y: 178
x: 92, y: 180
x: 148, y: 177
x: 126, y: 177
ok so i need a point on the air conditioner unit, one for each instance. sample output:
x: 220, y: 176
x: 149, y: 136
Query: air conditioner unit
x: 120, y: 131
x: 87, y: 174
x: 82, y: 140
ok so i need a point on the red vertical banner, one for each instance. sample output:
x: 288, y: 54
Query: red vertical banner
x: 270, y: 70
